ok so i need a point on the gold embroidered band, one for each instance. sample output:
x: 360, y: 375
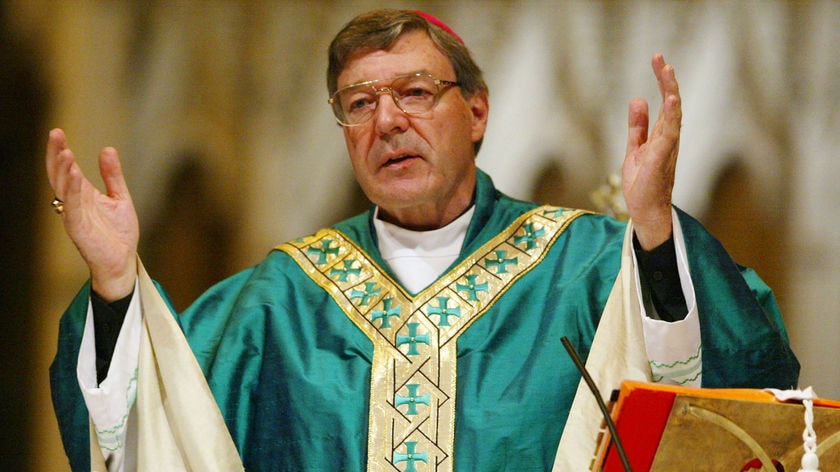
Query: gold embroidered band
x: 413, y: 378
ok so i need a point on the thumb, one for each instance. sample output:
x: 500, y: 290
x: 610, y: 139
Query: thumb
x: 637, y: 122
x: 112, y: 174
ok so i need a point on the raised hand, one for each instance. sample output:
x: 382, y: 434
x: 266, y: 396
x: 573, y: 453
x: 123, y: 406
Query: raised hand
x: 650, y: 164
x: 104, y: 227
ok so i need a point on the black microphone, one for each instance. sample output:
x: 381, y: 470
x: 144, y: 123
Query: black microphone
x: 604, y: 411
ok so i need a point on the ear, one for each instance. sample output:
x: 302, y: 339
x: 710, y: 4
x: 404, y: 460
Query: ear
x: 480, y: 108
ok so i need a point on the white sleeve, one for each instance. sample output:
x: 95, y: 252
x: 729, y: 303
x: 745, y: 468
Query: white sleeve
x: 110, y: 402
x: 674, y: 348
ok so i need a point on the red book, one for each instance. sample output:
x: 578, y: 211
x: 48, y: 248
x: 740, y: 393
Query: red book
x: 665, y: 427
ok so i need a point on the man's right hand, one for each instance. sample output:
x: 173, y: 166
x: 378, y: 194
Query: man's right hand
x: 104, y: 227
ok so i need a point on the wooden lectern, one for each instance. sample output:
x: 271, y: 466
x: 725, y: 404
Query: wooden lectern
x: 670, y: 428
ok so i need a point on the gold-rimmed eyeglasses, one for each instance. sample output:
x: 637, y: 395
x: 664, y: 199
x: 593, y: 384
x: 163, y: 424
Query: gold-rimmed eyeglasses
x: 414, y: 94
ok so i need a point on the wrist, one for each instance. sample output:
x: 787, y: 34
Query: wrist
x: 115, y: 284
x: 651, y: 235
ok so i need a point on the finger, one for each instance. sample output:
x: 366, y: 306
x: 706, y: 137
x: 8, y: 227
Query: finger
x: 637, y: 122
x: 56, y: 143
x: 72, y: 182
x: 112, y: 174
x: 666, y: 137
x: 666, y: 130
x: 665, y: 77
x: 671, y: 111
x: 64, y: 173
x: 65, y: 166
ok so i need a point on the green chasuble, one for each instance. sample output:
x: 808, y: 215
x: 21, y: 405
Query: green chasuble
x: 320, y: 360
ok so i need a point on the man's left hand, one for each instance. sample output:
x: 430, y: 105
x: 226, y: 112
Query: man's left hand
x: 650, y: 164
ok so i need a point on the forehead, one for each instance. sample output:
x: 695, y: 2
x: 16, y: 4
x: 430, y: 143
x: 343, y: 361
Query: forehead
x: 412, y: 52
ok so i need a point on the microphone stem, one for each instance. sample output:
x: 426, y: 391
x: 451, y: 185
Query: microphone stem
x: 604, y: 411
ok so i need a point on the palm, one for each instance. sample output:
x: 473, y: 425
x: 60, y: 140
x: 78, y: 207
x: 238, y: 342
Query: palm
x: 103, y: 227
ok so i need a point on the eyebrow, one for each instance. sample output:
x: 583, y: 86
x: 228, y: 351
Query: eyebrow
x: 404, y: 74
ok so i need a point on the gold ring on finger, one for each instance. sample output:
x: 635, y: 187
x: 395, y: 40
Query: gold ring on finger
x: 57, y: 205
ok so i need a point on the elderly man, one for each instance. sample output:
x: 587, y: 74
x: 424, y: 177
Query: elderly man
x: 423, y: 334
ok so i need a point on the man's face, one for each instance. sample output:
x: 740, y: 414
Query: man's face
x: 419, y: 169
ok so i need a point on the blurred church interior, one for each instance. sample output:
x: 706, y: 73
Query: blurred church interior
x: 219, y: 111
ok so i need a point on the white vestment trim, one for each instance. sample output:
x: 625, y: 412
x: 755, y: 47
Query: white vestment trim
x: 110, y: 402
x: 179, y: 425
x: 674, y: 348
x: 620, y: 349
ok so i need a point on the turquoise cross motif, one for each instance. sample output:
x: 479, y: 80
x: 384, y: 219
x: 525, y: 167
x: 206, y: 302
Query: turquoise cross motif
x: 530, y: 236
x: 500, y: 262
x: 412, y: 339
x: 346, y: 271
x: 410, y: 456
x: 385, y: 313
x: 322, y: 251
x: 472, y: 288
x: 443, y: 311
x: 554, y: 212
x: 412, y: 399
x: 365, y: 296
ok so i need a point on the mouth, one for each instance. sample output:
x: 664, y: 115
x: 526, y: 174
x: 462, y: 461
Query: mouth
x: 399, y: 160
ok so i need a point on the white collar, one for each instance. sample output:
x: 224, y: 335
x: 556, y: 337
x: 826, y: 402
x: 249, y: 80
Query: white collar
x: 418, y: 258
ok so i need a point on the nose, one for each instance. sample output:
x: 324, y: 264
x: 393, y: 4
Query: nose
x: 388, y: 118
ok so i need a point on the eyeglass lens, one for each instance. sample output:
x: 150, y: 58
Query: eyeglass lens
x: 413, y: 95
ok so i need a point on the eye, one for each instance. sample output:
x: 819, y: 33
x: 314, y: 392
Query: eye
x: 416, y: 92
x: 355, y: 100
x: 359, y: 103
